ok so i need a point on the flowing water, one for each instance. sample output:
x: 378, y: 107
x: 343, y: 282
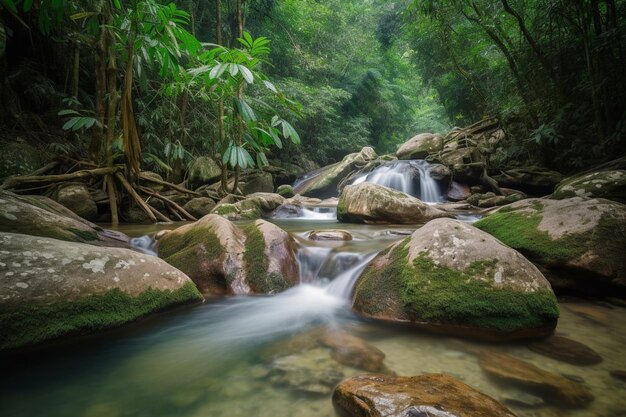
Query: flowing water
x: 240, y: 356
x: 411, y: 177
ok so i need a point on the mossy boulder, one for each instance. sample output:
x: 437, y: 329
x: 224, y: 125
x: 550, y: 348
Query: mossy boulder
x: 450, y: 277
x: 285, y: 190
x: 257, y: 182
x: 254, y: 206
x: 224, y: 259
x: 420, y: 146
x: 76, y: 197
x: 435, y: 395
x: 52, y: 288
x: 204, y: 170
x: 323, y: 183
x: 579, y: 241
x: 41, y: 216
x: 200, y: 206
x: 604, y: 184
x: 373, y: 203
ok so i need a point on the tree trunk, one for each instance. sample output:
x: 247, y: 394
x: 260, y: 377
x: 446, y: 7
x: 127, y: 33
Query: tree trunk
x: 132, y: 145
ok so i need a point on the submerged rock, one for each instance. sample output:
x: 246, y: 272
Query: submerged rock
x: 51, y: 288
x: 450, y: 277
x: 603, y: 184
x: 222, y: 258
x: 581, y: 242
x: 373, y: 203
x: 41, y: 216
x: 566, y: 350
x: 552, y: 387
x: 420, y: 146
x: 330, y: 235
x: 433, y: 395
x: 352, y: 351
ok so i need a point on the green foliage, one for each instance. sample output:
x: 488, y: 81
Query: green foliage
x: 33, y: 323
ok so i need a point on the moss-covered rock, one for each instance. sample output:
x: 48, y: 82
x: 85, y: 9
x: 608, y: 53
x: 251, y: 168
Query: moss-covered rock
x: 373, y: 203
x: 285, y: 190
x: 420, y: 146
x: 323, y: 183
x: 200, y: 206
x: 204, y: 170
x: 222, y: 258
x: 254, y: 206
x: 41, y: 216
x: 450, y: 277
x: 603, y: 184
x: 51, y: 288
x: 581, y: 242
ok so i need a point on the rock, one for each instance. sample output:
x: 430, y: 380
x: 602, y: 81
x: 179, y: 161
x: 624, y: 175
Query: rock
x: 287, y: 211
x: 524, y: 400
x: 222, y: 258
x: 330, y: 235
x: 76, y: 197
x: 257, y: 182
x: 450, y: 277
x: 589, y: 312
x: 435, y: 395
x: 311, y: 372
x: 135, y: 214
x: 204, y: 170
x: 149, y: 175
x: 254, y: 206
x: 41, y: 216
x: 552, y: 387
x: 160, y: 234
x: 52, y: 288
x: 466, y: 163
x: 285, y: 190
x: 458, y: 191
x: 581, y: 242
x: 373, y: 203
x: 440, y: 173
x: 20, y: 158
x: 566, y: 350
x: 352, y: 351
x: 491, y: 201
x: 604, y: 184
x: 420, y: 146
x: 618, y: 374
x: 323, y: 183
x: 200, y: 206
x: 535, y: 181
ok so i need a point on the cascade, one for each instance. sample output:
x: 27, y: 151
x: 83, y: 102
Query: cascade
x: 411, y: 177
x: 145, y: 244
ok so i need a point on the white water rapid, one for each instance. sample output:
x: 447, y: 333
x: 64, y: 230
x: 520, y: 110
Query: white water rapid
x: 411, y: 177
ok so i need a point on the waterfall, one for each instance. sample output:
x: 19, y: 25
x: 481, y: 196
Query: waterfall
x: 411, y: 177
x: 145, y: 244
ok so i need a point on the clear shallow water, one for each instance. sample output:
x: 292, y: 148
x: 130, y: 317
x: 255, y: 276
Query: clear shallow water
x: 221, y: 358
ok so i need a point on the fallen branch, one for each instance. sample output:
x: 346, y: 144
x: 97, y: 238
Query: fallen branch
x: 131, y: 191
x: 166, y: 200
x: 11, y: 182
x: 170, y: 185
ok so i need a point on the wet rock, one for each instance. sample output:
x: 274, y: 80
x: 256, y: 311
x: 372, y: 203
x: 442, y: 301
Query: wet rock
x: 450, y: 277
x: 618, y: 374
x: 434, y: 395
x: 373, y: 203
x: 52, y: 288
x: 352, y: 351
x: 257, y: 182
x: 204, y: 170
x: 285, y: 190
x: 458, y: 191
x: 41, y: 216
x: 200, y: 206
x: 603, y: 184
x: 580, y: 241
x: 287, y: 211
x: 222, y: 258
x: 590, y: 312
x: 552, y: 387
x: 254, y: 206
x: 330, y: 235
x: 466, y: 162
x: 536, y: 181
x: 566, y: 350
x: 323, y: 182
x: 76, y: 197
x: 420, y: 146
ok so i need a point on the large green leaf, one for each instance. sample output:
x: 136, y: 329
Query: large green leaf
x: 245, y: 111
x: 246, y: 73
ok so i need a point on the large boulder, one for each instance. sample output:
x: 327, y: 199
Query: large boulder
x: 257, y: 182
x: 435, y: 395
x: 466, y: 162
x: 580, y: 242
x: 204, y: 170
x: 222, y: 258
x: 450, y: 277
x: 373, y: 203
x: 254, y: 206
x: 420, y: 146
x: 532, y: 180
x: 76, y: 197
x: 199, y: 206
x: 323, y: 183
x: 603, y: 184
x: 41, y: 216
x: 52, y: 288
